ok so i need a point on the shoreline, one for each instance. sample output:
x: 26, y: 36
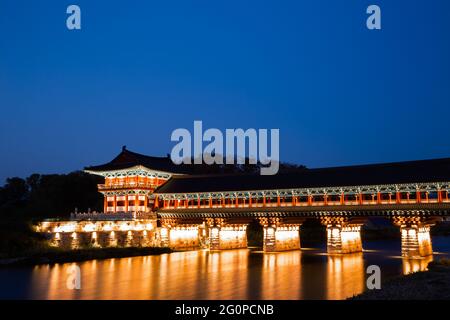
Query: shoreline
x: 79, y: 255
x: 433, y: 284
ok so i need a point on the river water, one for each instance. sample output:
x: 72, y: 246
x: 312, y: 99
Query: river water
x: 234, y: 274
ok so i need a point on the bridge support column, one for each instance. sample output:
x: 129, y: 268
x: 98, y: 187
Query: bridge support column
x: 181, y: 233
x: 343, y: 234
x: 224, y: 236
x: 281, y: 234
x: 344, y: 239
x: 228, y: 237
x: 281, y: 238
x: 416, y: 239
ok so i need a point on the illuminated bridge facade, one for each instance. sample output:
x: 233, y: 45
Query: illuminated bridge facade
x: 213, y: 211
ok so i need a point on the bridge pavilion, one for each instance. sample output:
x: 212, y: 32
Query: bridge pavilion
x: 194, y: 210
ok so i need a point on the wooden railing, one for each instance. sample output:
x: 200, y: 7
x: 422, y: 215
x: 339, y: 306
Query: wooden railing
x: 302, y: 204
x: 126, y: 186
x: 112, y: 216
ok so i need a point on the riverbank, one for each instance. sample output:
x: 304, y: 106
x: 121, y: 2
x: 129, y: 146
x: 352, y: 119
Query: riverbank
x: 433, y: 284
x: 56, y: 255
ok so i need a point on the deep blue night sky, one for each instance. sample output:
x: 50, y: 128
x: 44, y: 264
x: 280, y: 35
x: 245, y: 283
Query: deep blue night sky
x: 339, y: 93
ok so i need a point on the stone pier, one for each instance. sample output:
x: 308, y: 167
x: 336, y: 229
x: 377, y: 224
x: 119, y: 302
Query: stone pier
x: 228, y: 237
x: 86, y: 233
x: 184, y: 237
x: 182, y: 234
x: 280, y: 235
x: 281, y: 238
x: 343, y: 234
x: 224, y: 235
x: 344, y: 239
x: 416, y: 239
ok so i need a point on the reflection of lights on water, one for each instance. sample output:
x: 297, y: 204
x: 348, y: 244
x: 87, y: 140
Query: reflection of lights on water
x: 416, y: 265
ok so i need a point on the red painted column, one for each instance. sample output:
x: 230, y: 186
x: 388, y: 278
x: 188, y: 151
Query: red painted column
x: 439, y: 194
x: 278, y: 201
x: 105, y: 204
x: 418, y: 196
x: 325, y: 199
x: 378, y: 197
x: 250, y: 200
x: 264, y: 200
x: 115, y: 203
x: 310, y: 200
x: 397, y: 197
x: 146, y: 202
x: 360, y: 198
x: 342, y: 200
x: 156, y: 203
x: 198, y: 202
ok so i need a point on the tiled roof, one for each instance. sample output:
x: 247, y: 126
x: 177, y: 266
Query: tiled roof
x: 422, y: 171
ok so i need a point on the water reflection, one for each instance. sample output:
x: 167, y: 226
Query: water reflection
x: 345, y: 275
x: 233, y: 274
x: 416, y: 265
x: 281, y: 276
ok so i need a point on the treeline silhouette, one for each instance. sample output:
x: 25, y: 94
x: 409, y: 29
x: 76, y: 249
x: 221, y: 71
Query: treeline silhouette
x: 47, y: 196
x: 23, y: 201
